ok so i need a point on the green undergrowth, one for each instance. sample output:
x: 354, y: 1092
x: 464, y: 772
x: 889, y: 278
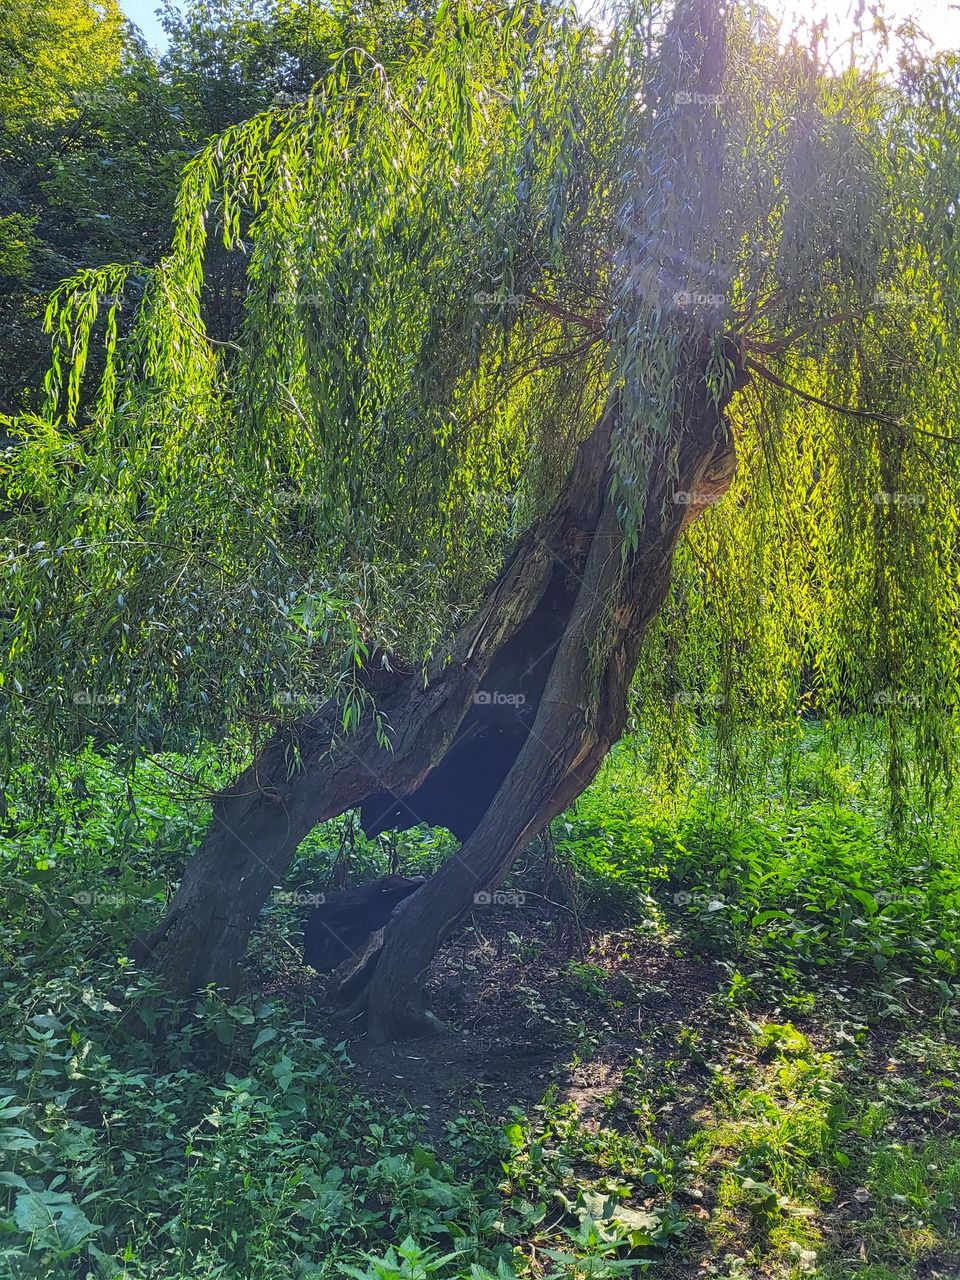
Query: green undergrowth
x: 815, y: 877
x: 233, y: 1145
x: 797, y: 1116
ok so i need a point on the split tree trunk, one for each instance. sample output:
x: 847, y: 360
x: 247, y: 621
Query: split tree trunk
x: 581, y: 714
x: 564, y: 623
x: 602, y: 604
x: 259, y: 821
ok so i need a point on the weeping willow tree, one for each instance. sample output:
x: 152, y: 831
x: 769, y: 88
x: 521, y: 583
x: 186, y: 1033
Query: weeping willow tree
x: 573, y: 363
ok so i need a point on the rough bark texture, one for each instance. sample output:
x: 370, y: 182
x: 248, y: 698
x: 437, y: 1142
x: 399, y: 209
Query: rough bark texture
x: 259, y: 821
x: 581, y: 713
x: 562, y: 627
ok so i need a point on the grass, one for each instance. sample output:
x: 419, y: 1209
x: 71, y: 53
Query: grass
x: 754, y: 1069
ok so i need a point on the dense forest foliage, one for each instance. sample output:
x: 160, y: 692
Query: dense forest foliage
x: 96, y: 129
x: 479, y: 643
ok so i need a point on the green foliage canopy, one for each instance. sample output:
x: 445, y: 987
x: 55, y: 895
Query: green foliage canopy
x: 451, y: 265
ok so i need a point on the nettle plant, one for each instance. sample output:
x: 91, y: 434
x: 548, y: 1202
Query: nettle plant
x: 573, y: 361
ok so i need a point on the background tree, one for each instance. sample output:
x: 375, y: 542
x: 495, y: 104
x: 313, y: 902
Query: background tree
x: 608, y: 280
x: 95, y: 129
x: 52, y: 57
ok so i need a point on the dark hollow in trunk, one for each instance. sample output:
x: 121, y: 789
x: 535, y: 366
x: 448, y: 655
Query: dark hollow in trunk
x: 459, y: 790
x: 340, y: 927
x: 504, y: 730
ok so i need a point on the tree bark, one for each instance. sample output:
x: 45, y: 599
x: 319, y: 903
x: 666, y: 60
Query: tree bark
x: 309, y: 773
x: 582, y: 713
x: 565, y: 620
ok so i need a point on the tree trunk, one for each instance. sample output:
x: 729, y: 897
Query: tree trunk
x: 561, y: 628
x: 582, y: 712
x: 601, y: 604
x: 309, y: 773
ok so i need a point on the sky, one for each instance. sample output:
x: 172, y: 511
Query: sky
x: 940, y: 19
x: 142, y: 12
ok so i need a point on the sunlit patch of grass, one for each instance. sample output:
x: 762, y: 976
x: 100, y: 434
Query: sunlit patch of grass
x: 771, y: 1149
x: 901, y: 1189
x: 915, y: 1192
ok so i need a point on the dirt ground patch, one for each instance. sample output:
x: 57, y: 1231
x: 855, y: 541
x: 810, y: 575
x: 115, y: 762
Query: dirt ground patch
x: 524, y: 1014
